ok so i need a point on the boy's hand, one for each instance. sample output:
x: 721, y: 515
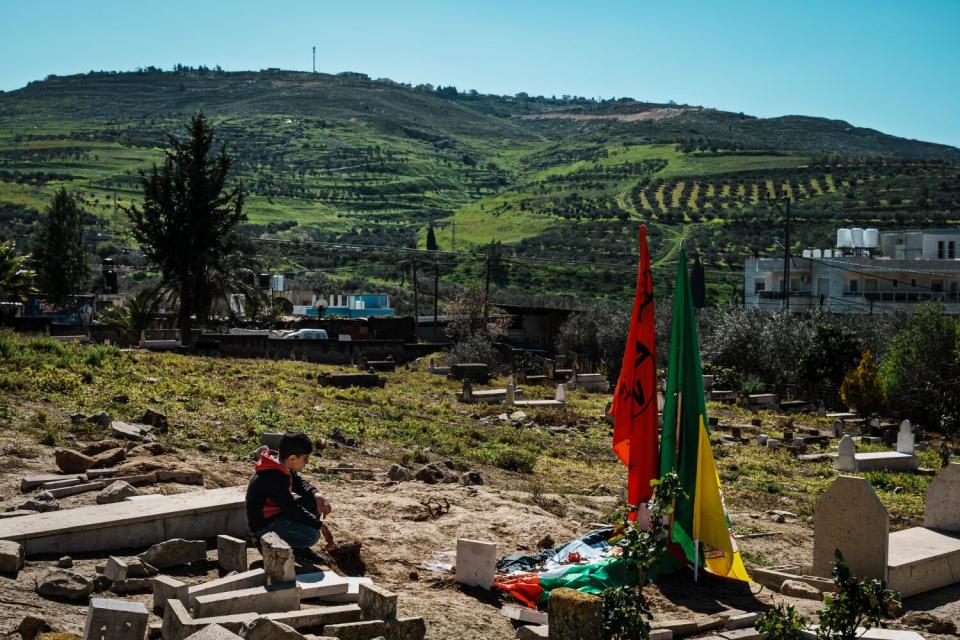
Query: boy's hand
x: 327, y: 536
x: 323, y: 506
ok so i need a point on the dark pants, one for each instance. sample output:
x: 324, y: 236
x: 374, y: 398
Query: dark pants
x: 296, y: 534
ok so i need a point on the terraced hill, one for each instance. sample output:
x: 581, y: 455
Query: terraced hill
x: 349, y: 160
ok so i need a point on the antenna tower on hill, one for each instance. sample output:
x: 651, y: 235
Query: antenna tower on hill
x: 314, y: 59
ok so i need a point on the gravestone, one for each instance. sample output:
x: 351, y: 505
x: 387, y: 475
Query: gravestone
x: 942, y: 509
x: 849, y: 517
x: 277, y: 559
x: 822, y: 411
x: 511, y: 395
x: 905, y: 438
x: 773, y: 444
x: 846, y: 456
x: 561, y: 393
x: 467, y: 394
x: 476, y: 563
x: 838, y: 428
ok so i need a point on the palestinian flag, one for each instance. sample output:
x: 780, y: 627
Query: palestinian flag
x: 701, y: 528
x: 634, y: 407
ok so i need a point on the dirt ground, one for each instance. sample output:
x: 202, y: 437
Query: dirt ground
x: 398, y: 536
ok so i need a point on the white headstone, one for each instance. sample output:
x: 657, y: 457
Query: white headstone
x: 942, y: 509
x: 476, y: 563
x: 905, y: 438
x: 875, y: 423
x: 849, y: 517
x: 561, y: 393
x: 846, y: 455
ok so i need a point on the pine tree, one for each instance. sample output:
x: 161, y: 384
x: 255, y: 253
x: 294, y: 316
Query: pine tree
x: 187, y: 218
x: 61, y: 259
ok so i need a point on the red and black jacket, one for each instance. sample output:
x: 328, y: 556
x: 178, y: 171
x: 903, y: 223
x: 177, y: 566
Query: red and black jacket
x: 270, y: 494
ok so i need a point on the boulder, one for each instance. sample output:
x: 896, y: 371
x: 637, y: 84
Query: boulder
x: 65, y: 562
x: 99, y: 446
x: 798, y: 589
x: 175, y: 552
x: 11, y: 557
x: 930, y: 623
x: 30, y: 626
x: 65, y: 585
x: 70, y: 461
x: 471, y: 478
x: 109, y: 458
x: 103, y: 419
x: 41, y: 506
x: 116, y: 492
x: 156, y: 420
x: 436, y: 473
x: 399, y: 473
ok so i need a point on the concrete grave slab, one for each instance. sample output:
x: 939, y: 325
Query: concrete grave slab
x: 942, y: 508
x: 269, y: 599
x: 850, y: 517
x: 921, y: 560
x: 352, y: 594
x: 178, y: 623
x: 324, y: 584
x: 166, y: 588
x: 31, y: 482
x: 236, y: 582
x: 524, y: 614
x: 376, y: 603
x: 476, y: 563
x: 277, y: 558
x: 316, y: 617
x: 533, y: 632
x: 115, y: 620
x: 126, y: 525
x: 232, y: 554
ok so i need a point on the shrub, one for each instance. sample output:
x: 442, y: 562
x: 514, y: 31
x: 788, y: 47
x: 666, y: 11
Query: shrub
x: 515, y: 460
x: 782, y: 622
x: 859, y: 602
x: 861, y: 387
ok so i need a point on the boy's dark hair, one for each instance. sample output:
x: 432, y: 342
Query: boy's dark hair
x: 294, y: 444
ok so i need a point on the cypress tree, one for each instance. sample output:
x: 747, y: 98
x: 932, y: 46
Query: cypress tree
x: 431, y: 240
x: 61, y: 259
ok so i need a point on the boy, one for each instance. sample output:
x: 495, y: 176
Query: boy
x: 272, y: 507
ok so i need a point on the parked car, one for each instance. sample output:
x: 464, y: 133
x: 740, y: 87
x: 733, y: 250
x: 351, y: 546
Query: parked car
x: 307, y: 334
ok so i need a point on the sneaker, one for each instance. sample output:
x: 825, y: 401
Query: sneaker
x: 308, y: 556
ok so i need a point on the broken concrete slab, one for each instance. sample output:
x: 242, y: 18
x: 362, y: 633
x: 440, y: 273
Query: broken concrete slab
x: 267, y: 629
x: 277, y: 558
x: 73, y: 490
x: 741, y: 620
x: 741, y: 634
x: 327, y: 584
x: 377, y: 603
x: 116, y: 492
x: 129, y: 431
x: 175, y: 552
x: 11, y: 557
x: 316, y: 617
x: 166, y: 588
x: 365, y: 630
x: 31, y: 482
x: 773, y: 579
x: 678, y: 628
x: 236, y: 582
x: 524, y: 614
x: 126, y: 525
x: 178, y: 623
x: 476, y: 563
x: 269, y: 599
x: 352, y: 594
x: 232, y: 554
x: 533, y: 632
x: 115, y: 569
x: 115, y: 620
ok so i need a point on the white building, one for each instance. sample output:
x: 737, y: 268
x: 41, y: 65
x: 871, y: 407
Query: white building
x: 867, y: 272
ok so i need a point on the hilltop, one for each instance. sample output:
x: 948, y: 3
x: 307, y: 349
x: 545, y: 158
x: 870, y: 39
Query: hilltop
x: 347, y: 159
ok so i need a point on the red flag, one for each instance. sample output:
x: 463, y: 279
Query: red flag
x: 634, y: 407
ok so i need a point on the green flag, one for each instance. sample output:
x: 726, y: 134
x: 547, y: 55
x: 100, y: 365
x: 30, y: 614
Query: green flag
x: 701, y: 527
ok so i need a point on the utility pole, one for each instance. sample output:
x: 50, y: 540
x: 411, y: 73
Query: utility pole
x: 314, y: 59
x: 436, y: 296
x: 416, y: 306
x: 783, y: 206
x: 453, y: 236
x: 486, y: 291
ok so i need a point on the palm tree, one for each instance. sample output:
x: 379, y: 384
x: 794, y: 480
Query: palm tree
x: 134, y: 317
x: 15, y: 280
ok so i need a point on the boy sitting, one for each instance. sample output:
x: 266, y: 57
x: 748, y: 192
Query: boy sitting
x: 272, y: 507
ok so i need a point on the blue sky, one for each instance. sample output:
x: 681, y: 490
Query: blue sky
x: 892, y: 66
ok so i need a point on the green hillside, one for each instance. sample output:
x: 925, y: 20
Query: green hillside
x: 349, y: 160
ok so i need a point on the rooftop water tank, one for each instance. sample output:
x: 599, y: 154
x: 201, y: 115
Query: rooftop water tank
x: 871, y: 238
x: 857, y: 237
x: 844, y: 238
x: 806, y: 253
x: 817, y: 253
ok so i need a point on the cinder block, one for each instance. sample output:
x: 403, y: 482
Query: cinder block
x: 232, y: 554
x: 166, y: 588
x: 115, y: 620
x: 377, y: 603
x: 115, y: 569
x: 476, y: 563
x: 269, y: 599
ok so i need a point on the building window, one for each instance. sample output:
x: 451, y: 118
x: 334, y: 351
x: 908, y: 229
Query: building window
x: 952, y: 250
x: 895, y: 282
x: 854, y: 286
x: 759, y: 285
x: 940, y: 249
x: 870, y: 284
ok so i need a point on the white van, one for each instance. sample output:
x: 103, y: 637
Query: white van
x: 307, y: 334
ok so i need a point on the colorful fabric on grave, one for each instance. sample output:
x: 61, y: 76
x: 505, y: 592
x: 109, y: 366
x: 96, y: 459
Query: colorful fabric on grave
x: 701, y: 527
x: 634, y: 407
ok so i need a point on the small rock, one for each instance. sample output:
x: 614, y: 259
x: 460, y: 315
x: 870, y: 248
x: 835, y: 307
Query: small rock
x: 546, y: 542
x: 48, y: 440
x: 203, y: 447
x: 103, y: 419
x: 30, y: 626
x: 116, y: 492
x: 266, y: 629
x: 65, y: 585
x: 121, y: 399
x: 175, y: 552
x: 930, y: 622
x: 70, y: 461
x: 471, y: 478
x: 797, y: 589
x: 41, y: 506
x: 152, y: 448
x: 156, y: 420
x: 45, y: 496
x: 436, y: 473
x: 399, y: 473
x: 65, y: 562
x: 99, y: 446
x: 781, y: 519
x: 78, y: 418
x: 129, y: 431
x: 11, y: 557
x: 132, y: 585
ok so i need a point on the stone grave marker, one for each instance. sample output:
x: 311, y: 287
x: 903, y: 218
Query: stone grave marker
x: 846, y: 456
x: 942, y: 509
x: 115, y: 620
x: 905, y: 438
x: 476, y: 563
x: 850, y: 517
x: 838, y: 428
